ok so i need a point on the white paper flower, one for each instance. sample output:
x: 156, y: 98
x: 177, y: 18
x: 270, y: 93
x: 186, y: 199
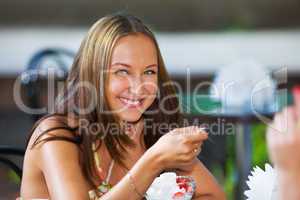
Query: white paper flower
x: 262, y: 184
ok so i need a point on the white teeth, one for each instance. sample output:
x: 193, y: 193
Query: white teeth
x: 131, y: 102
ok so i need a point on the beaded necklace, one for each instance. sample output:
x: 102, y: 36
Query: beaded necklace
x: 105, y: 186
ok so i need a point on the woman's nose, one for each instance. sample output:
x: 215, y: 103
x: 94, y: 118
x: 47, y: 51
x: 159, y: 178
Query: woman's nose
x: 136, y: 85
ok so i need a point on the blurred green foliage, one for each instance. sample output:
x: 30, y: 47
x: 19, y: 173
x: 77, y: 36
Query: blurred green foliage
x: 259, y: 156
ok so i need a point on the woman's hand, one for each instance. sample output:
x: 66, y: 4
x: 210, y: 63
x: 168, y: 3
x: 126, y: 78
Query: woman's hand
x: 283, y: 139
x: 207, y: 186
x: 179, y: 148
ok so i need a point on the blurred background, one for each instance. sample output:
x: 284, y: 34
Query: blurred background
x: 198, y: 39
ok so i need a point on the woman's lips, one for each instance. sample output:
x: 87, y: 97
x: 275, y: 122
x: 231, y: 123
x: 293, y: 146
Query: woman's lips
x: 131, y: 103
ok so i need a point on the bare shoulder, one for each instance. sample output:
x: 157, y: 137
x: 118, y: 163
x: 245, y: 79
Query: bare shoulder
x: 52, y: 127
x: 59, y: 161
x: 49, y: 127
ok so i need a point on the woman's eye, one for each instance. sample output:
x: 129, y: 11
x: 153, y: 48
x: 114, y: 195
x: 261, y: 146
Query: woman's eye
x: 150, y: 72
x: 121, y: 72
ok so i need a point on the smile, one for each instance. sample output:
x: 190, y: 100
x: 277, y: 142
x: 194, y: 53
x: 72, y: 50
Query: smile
x: 131, y: 102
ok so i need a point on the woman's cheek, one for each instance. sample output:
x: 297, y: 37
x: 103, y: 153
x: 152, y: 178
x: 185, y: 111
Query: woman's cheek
x: 151, y: 89
x: 117, y: 85
x: 150, y: 85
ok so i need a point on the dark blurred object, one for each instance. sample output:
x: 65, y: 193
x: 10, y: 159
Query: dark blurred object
x: 14, y: 151
x: 31, y: 79
x: 36, y: 72
x: 173, y: 15
x: 10, y: 171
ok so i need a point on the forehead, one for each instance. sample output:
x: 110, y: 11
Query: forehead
x: 135, y: 49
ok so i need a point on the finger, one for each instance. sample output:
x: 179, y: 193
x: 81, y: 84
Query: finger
x: 196, y: 145
x: 198, y: 137
x: 297, y: 127
x: 273, y: 139
x: 271, y: 133
x: 289, y: 120
x: 194, y: 134
x: 278, y: 123
x: 196, y: 151
x: 190, y: 129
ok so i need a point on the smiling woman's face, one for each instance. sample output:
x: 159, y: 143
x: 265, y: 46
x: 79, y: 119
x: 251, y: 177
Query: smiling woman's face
x: 132, y: 78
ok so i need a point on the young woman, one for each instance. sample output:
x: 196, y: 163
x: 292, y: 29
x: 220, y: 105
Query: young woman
x: 104, y: 139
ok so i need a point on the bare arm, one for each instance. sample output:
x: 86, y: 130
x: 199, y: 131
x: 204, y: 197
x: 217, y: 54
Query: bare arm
x: 289, y: 184
x: 61, y: 168
x: 59, y: 162
x: 142, y: 173
x: 283, y: 139
x: 165, y: 155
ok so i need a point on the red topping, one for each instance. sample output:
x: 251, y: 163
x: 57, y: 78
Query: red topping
x: 178, y: 195
x: 184, y: 186
x: 183, y: 183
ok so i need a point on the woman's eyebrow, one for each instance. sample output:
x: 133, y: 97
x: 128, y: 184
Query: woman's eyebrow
x: 123, y: 64
x: 153, y: 65
x: 128, y: 66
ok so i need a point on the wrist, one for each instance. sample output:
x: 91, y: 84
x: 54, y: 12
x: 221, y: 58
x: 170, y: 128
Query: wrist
x: 289, y: 184
x: 154, y: 160
x: 289, y: 175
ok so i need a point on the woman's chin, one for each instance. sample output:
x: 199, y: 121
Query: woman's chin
x: 131, y: 117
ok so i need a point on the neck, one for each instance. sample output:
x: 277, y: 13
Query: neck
x: 134, y: 130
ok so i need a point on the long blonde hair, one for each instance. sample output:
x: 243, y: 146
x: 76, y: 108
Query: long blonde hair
x: 90, y: 63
